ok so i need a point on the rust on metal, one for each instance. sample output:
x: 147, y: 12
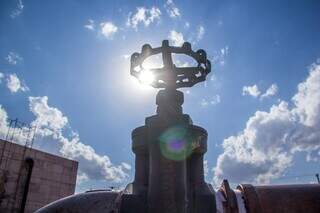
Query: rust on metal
x: 230, y: 206
x: 281, y: 198
x: 250, y: 197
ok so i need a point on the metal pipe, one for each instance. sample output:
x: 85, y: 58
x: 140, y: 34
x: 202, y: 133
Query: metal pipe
x: 281, y: 198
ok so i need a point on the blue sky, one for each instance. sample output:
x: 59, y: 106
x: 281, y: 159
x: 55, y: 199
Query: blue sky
x: 64, y: 66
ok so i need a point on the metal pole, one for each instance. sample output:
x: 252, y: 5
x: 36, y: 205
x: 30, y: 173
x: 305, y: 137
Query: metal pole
x: 11, y: 121
x: 14, y: 128
x: 34, y: 128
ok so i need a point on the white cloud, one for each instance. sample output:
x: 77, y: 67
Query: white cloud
x: 271, y: 91
x: 126, y: 56
x: 213, y: 101
x: 213, y: 77
x: 143, y: 16
x: 4, y: 128
x: 13, y: 58
x: 16, y: 12
x: 47, y: 118
x: 186, y: 24
x: 219, y: 57
x: 251, y: 90
x: 267, y: 145
x: 204, y: 102
x: 255, y: 92
x: 14, y: 84
x: 82, y: 177
x: 126, y: 165
x: 108, y: 29
x: 171, y: 9
x: 1, y: 77
x: 176, y: 38
x: 205, y: 168
x: 93, y: 165
x: 179, y: 63
x: 51, y: 126
x: 3, y: 122
x: 200, y: 32
x: 224, y: 51
x: 308, y: 97
x: 90, y: 25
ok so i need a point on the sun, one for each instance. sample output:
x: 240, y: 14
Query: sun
x: 146, y: 77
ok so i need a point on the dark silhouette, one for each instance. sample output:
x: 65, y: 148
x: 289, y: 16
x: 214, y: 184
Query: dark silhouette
x: 170, y: 76
x: 169, y: 149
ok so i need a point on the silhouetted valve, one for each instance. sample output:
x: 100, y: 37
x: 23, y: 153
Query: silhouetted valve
x: 171, y: 76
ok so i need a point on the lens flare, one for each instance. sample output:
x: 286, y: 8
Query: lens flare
x: 146, y: 77
x: 175, y: 143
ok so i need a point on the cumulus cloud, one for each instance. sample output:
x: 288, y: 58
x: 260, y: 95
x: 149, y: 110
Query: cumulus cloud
x: 105, y: 29
x: 51, y: 125
x: 13, y: 58
x: 255, y: 92
x: 14, y: 84
x: 176, y: 38
x: 308, y: 97
x: 51, y: 121
x: 172, y: 9
x: 271, y: 91
x: 82, y: 177
x: 3, y: 122
x: 143, y: 16
x: 266, y: 147
x: 108, y: 29
x: 91, y: 164
x: 251, y: 90
x: 47, y: 118
x: 90, y: 25
x: 16, y: 12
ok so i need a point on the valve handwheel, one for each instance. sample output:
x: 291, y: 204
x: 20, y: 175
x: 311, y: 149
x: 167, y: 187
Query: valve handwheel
x: 171, y: 76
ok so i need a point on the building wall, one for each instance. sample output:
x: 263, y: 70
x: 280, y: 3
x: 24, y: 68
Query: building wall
x: 52, y: 177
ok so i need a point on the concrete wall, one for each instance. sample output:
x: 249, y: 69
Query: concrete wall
x: 52, y: 177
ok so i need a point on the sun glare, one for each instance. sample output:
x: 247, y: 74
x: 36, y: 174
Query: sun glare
x: 146, y: 77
